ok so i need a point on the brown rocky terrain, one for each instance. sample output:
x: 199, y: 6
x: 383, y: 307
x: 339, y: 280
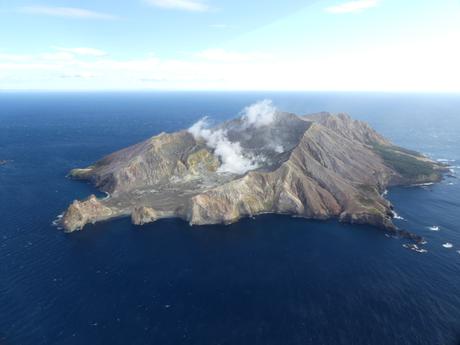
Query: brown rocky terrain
x: 318, y: 166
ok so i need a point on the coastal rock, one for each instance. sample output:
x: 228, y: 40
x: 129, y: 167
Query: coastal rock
x: 143, y: 215
x: 316, y: 166
x: 84, y: 212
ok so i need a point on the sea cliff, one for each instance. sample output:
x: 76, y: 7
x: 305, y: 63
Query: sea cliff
x: 317, y: 166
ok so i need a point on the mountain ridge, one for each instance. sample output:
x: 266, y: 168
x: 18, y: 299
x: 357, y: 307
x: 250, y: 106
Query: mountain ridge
x: 316, y: 166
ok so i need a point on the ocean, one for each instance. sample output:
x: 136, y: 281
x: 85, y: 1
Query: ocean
x: 268, y: 280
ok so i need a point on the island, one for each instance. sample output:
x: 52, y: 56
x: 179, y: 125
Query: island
x: 318, y: 166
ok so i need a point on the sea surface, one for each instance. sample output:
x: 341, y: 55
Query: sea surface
x: 269, y: 280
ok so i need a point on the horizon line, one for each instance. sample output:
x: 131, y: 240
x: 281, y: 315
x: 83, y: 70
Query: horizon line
x: 223, y: 91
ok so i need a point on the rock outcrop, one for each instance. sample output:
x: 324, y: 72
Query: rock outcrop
x: 143, y: 215
x: 83, y: 212
x: 318, y: 166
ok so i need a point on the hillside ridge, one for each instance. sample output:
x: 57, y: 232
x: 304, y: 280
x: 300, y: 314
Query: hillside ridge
x: 316, y: 166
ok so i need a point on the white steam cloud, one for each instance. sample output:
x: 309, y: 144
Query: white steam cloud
x: 231, y: 154
x: 259, y: 114
x: 277, y: 148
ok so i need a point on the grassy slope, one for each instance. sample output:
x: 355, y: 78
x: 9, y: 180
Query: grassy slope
x: 405, y: 162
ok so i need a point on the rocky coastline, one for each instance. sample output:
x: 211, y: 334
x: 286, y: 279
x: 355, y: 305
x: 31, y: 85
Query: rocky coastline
x: 317, y: 166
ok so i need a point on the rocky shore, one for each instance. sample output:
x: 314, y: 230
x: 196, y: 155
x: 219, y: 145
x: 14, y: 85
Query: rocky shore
x: 317, y: 166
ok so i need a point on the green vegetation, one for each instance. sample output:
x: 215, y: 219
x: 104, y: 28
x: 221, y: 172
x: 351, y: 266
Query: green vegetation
x: 367, y: 199
x: 80, y: 173
x: 404, y: 162
x: 407, y: 151
x: 367, y: 188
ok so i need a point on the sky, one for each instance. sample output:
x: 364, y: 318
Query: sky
x: 311, y: 45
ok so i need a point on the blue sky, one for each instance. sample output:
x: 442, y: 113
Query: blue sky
x: 371, y: 45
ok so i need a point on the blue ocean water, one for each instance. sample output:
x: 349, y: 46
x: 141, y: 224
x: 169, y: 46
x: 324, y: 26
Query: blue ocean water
x: 268, y: 280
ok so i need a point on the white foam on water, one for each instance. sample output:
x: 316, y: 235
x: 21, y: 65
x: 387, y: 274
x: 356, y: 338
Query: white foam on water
x: 447, y: 245
x: 423, y: 184
x: 434, y: 228
x: 57, y: 221
x: 415, y: 248
x: 397, y: 216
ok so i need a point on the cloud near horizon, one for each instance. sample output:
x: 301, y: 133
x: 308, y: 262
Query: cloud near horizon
x: 361, y: 69
x: 352, y: 6
x: 219, y: 54
x: 185, y: 5
x: 68, y: 12
x: 83, y: 51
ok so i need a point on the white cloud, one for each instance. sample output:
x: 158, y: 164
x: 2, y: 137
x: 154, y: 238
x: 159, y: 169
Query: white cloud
x: 230, y: 153
x: 56, y: 57
x: 427, y: 64
x: 186, y: 5
x: 80, y: 75
x: 353, y: 6
x: 233, y: 157
x: 259, y: 114
x: 68, y: 12
x: 83, y: 51
x: 15, y: 57
x: 218, y: 54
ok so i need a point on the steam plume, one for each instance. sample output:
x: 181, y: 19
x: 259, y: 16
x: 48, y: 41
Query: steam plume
x: 259, y: 114
x: 231, y: 154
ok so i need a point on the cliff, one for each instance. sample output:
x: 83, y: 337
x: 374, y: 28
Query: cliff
x: 318, y: 166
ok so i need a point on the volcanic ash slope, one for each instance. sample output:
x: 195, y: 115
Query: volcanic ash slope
x: 318, y: 166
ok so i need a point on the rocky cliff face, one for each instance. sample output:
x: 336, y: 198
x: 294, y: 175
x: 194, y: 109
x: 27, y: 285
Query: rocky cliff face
x: 318, y: 166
